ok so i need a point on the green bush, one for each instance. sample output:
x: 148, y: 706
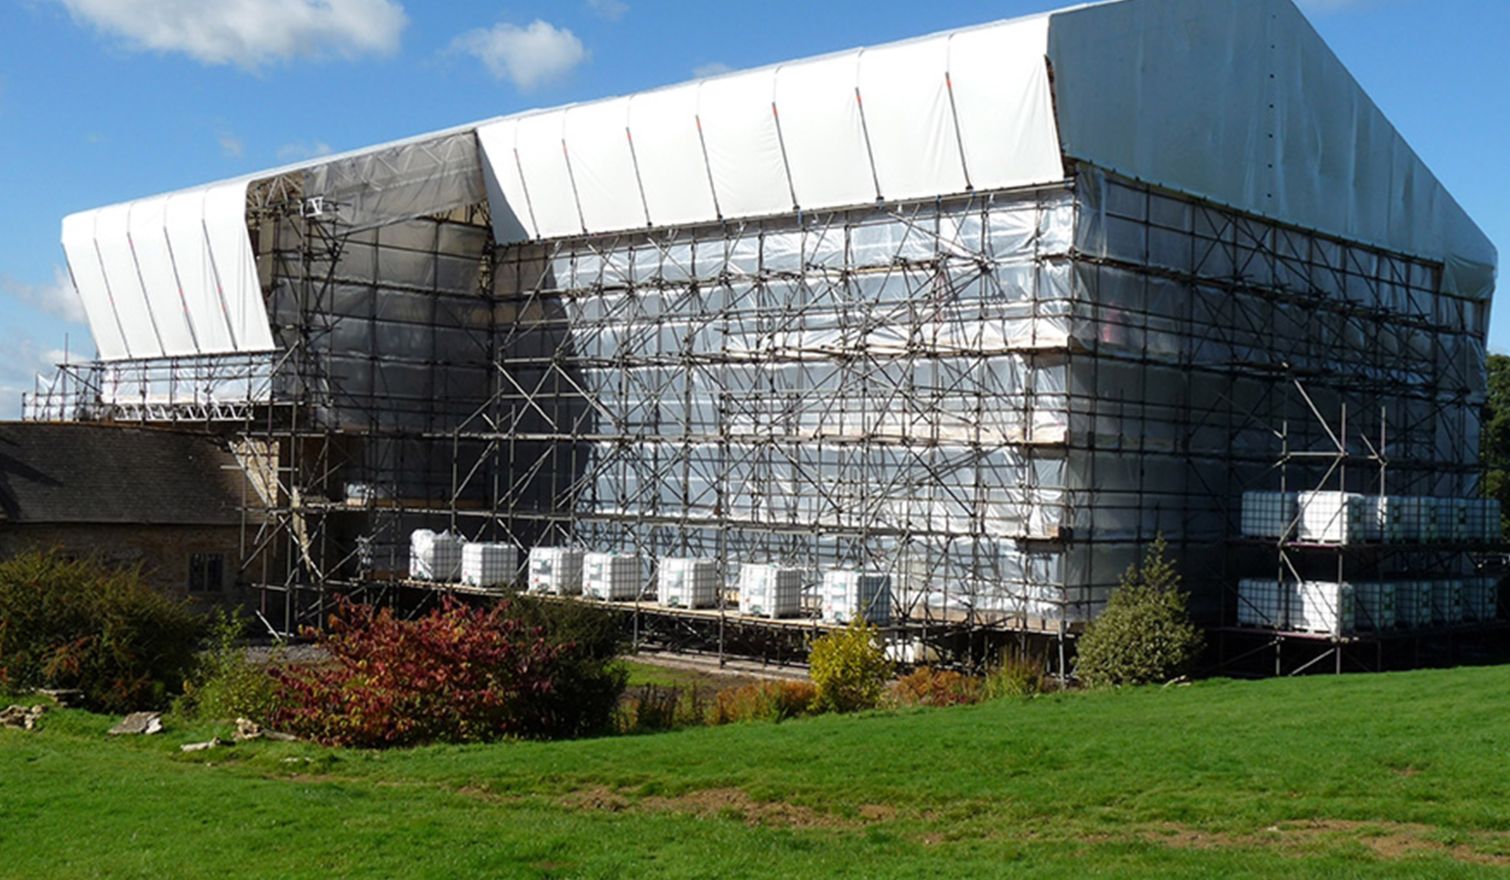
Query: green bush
x: 226, y: 685
x: 1145, y: 634
x: 1014, y: 677
x: 67, y: 623
x: 591, y: 681
x: 848, y: 669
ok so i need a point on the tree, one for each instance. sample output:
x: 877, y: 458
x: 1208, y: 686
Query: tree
x: 1145, y: 634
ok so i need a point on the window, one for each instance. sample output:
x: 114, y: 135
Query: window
x: 206, y: 572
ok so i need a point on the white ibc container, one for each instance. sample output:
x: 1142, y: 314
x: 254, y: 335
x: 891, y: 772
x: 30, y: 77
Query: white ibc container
x: 688, y: 583
x: 770, y: 591
x: 1324, y: 607
x: 1440, y: 515
x: 1484, y: 520
x: 1261, y: 602
x: 1447, y: 602
x: 1337, y: 517
x: 1464, y: 520
x: 435, y: 557
x: 556, y: 570
x: 1267, y: 514
x: 1413, y: 603
x: 910, y: 652
x: 1375, y: 604
x: 1481, y: 599
x: 611, y: 577
x: 488, y: 565
x: 850, y: 595
x: 1400, y: 519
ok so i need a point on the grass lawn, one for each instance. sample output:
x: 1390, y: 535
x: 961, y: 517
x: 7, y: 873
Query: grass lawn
x: 1372, y: 776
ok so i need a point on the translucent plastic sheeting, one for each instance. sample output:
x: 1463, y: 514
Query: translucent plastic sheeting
x: 402, y: 181
x: 1175, y: 92
x: 169, y: 276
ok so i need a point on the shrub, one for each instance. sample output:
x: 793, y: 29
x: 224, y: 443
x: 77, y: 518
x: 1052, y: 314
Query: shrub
x: 849, y: 669
x: 68, y: 623
x: 1014, y: 677
x: 649, y: 708
x: 1145, y: 634
x: 926, y: 686
x: 225, y: 684
x: 459, y: 674
x: 762, y: 701
x: 590, y: 679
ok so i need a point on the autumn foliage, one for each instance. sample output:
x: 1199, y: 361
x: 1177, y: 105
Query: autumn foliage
x: 459, y: 674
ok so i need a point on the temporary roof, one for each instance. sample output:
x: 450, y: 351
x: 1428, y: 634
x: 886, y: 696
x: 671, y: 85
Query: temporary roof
x: 1236, y: 101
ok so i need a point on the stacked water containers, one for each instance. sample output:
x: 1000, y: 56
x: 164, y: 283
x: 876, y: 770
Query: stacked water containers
x: 1446, y: 602
x: 1324, y: 607
x: 1349, y: 518
x: 1267, y: 514
x: 688, y: 583
x: 1342, y: 519
x: 1413, y: 603
x: 856, y: 595
x: 556, y: 570
x: 1480, y: 598
x: 1402, y: 518
x: 434, y: 557
x: 611, y: 577
x: 1262, y: 602
x: 770, y: 591
x: 488, y: 565
x: 1375, y: 602
x: 1337, y: 517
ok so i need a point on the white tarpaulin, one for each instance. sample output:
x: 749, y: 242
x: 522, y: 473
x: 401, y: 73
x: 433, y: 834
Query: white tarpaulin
x: 1236, y: 101
x: 927, y: 117
x: 169, y: 276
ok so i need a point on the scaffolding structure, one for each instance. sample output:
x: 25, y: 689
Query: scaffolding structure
x: 1350, y: 460
x: 997, y: 398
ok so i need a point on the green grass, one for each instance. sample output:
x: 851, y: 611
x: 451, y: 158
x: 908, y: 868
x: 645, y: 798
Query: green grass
x: 649, y: 673
x: 1382, y: 776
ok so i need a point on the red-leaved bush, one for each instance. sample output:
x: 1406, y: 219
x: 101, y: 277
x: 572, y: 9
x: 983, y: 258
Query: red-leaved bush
x: 459, y: 674
x: 926, y: 686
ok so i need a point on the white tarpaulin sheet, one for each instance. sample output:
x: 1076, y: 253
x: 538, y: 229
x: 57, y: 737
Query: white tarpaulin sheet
x: 169, y: 276
x: 1236, y: 101
x: 934, y: 116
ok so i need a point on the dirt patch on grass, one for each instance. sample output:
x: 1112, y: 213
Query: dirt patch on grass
x: 728, y: 803
x: 599, y: 798
x: 1387, y: 840
x: 735, y: 803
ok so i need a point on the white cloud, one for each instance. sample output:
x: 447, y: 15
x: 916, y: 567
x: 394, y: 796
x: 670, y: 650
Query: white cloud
x: 712, y: 68
x: 298, y: 151
x: 526, y: 56
x: 231, y: 146
x: 58, y: 299
x: 248, y: 33
x: 613, y: 10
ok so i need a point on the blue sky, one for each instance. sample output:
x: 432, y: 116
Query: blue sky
x: 105, y: 100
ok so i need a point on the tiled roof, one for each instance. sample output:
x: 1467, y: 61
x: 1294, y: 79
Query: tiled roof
x: 71, y: 473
